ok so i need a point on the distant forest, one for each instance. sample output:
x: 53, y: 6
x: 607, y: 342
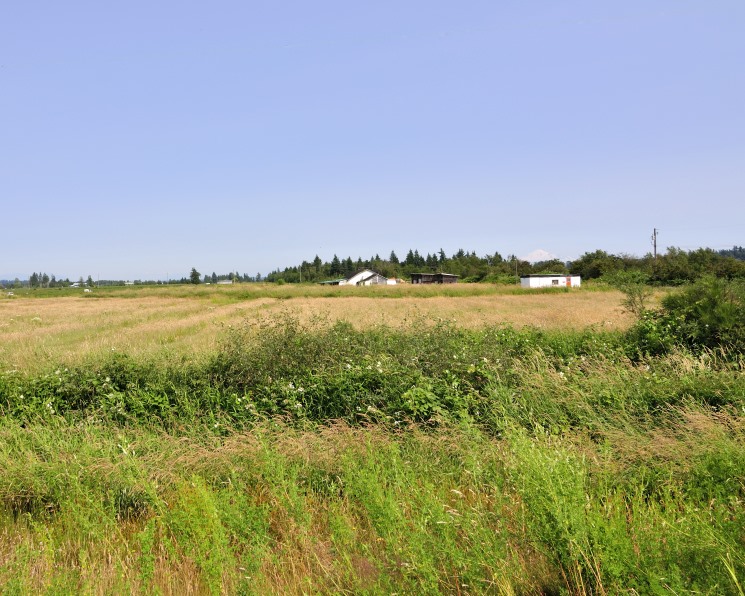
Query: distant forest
x: 674, y: 267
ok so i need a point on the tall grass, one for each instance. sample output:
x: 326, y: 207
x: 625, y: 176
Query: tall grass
x: 313, y: 457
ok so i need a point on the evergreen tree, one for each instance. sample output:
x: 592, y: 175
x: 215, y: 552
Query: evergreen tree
x: 393, y: 258
x: 419, y: 259
x: 194, y: 276
x: 335, y: 266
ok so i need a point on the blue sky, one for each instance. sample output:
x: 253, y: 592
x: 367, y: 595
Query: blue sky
x: 140, y: 139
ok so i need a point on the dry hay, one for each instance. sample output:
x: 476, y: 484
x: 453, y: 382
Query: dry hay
x: 65, y: 329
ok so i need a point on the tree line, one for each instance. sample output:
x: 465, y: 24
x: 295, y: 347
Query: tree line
x: 674, y: 267
x: 45, y: 280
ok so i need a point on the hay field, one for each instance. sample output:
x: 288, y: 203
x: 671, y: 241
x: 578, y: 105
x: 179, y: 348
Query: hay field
x: 45, y: 328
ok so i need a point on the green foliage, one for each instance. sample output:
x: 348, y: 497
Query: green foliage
x: 633, y: 285
x: 551, y: 483
x: 653, y: 334
x: 707, y: 315
x: 193, y: 521
x: 429, y: 459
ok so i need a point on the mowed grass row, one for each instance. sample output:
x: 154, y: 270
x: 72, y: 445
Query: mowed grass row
x: 41, y: 328
x: 306, y: 455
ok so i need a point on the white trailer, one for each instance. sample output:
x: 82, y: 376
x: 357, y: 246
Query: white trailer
x: 550, y: 280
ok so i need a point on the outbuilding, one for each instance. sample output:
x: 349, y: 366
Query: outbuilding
x: 433, y: 278
x: 550, y: 280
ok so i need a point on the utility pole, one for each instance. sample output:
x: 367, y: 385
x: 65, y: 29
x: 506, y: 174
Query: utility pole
x: 654, y: 244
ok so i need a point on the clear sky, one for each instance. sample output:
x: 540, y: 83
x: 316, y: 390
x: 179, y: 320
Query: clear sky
x: 139, y: 139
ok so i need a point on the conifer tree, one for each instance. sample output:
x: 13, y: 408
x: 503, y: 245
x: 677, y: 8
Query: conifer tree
x: 335, y: 266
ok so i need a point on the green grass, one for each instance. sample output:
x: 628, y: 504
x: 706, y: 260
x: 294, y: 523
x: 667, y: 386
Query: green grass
x: 316, y: 458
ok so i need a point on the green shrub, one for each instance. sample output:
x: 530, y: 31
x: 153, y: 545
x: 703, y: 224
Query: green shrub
x: 633, y: 285
x: 707, y: 315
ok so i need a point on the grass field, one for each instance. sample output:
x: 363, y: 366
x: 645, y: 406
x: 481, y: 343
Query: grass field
x: 39, y: 328
x: 298, y: 440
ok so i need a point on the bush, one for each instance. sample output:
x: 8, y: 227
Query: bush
x: 634, y: 286
x: 707, y: 315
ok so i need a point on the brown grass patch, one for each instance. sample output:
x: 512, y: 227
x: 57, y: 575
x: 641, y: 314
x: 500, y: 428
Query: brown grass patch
x: 67, y: 329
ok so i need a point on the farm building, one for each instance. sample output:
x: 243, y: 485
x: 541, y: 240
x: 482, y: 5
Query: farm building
x: 433, y: 278
x: 366, y: 277
x: 550, y: 280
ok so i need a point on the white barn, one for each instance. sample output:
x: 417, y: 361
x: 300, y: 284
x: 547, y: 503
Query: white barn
x: 366, y: 277
x: 550, y: 280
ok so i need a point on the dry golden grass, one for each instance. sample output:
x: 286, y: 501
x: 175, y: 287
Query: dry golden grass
x: 35, y: 332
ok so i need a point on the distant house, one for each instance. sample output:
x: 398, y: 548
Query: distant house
x: 224, y: 282
x: 550, y: 280
x: 433, y: 278
x: 366, y: 277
